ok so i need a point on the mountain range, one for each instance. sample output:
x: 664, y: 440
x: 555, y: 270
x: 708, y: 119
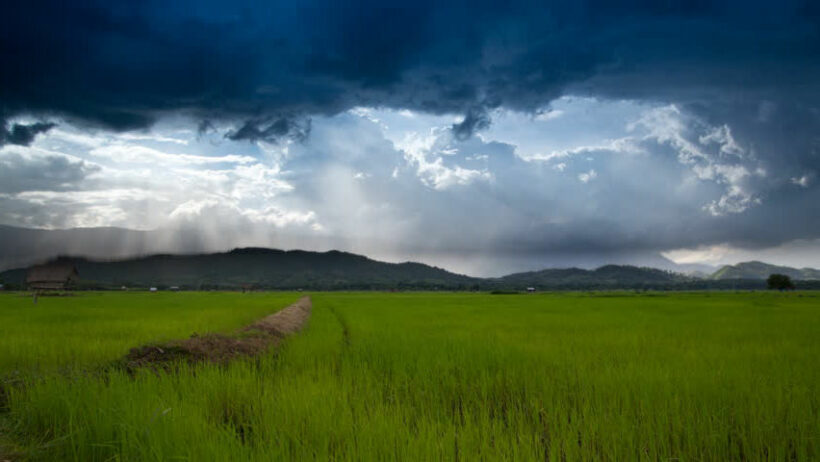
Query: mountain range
x: 261, y: 268
x: 109, y: 261
x: 290, y: 270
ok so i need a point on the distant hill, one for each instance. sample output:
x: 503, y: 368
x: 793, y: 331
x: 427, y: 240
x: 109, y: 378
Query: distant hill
x: 263, y: 268
x: 609, y: 276
x: 760, y: 270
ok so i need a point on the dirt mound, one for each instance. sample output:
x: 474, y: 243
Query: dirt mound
x: 221, y: 348
x: 284, y: 322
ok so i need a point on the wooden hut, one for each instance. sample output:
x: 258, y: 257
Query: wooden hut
x: 52, y: 276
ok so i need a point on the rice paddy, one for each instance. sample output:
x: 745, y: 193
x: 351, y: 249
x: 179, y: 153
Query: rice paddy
x: 421, y: 376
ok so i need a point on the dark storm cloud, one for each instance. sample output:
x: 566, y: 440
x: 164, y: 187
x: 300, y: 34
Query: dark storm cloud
x: 475, y: 120
x: 203, y: 127
x: 22, y: 134
x: 271, y: 130
x: 123, y: 64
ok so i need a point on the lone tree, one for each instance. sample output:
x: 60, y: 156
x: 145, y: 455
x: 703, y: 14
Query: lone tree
x: 780, y: 282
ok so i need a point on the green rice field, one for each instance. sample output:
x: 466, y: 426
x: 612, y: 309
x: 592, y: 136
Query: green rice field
x: 420, y: 376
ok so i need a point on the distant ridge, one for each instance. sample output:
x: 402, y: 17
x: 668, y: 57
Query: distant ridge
x: 760, y: 270
x: 608, y: 275
x: 263, y: 268
x: 260, y: 268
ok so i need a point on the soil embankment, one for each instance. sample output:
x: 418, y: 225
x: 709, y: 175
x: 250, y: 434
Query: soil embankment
x: 221, y: 348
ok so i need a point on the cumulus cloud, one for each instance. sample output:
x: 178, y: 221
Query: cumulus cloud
x: 586, y: 177
x: 141, y: 182
x: 40, y: 170
x: 713, y: 155
x: 362, y: 184
x: 123, y: 152
x: 432, y: 156
x: 197, y: 212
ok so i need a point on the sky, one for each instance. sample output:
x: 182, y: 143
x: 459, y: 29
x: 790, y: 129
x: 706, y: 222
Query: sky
x: 484, y: 137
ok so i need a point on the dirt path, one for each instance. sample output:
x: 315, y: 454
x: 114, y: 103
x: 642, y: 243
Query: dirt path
x: 221, y: 348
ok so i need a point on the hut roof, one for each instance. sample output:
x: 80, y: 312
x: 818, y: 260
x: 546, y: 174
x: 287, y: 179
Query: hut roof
x: 52, y: 272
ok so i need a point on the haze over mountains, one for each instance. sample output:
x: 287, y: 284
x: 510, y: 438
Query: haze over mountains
x: 21, y: 247
x: 26, y: 246
x: 760, y: 270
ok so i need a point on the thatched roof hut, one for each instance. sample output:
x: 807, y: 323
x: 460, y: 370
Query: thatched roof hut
x: 52, y: 276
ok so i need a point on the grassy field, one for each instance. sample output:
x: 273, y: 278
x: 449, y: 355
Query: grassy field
x: 88, y: 329
x: 435, y: 377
